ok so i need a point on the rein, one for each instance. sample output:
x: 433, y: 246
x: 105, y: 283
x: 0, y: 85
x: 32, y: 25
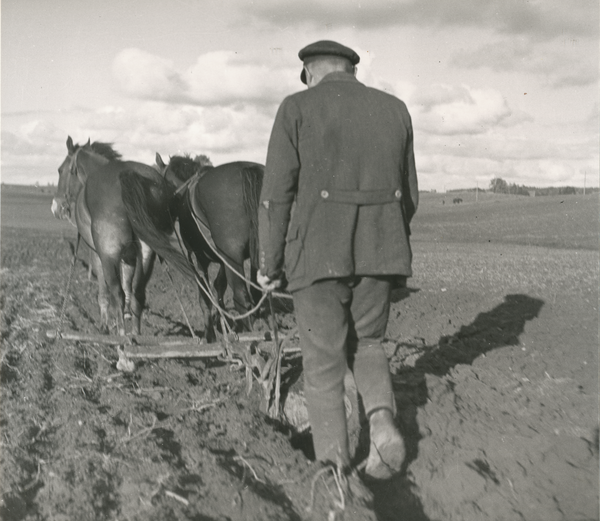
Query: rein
x: 186, y: 185
x: 66, y: 298
x: 201, y: 280
x: 206, y: 290
x: 221, y: 257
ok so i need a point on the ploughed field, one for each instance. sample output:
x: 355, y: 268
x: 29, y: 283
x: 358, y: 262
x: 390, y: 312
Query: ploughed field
x: 493, y: 347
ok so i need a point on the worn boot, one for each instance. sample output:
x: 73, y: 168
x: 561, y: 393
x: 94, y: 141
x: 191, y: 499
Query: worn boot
x: 386, y: 453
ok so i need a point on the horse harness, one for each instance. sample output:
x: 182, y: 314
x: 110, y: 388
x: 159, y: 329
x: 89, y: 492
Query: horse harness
x: 73, y: 170
x: 199, y: 216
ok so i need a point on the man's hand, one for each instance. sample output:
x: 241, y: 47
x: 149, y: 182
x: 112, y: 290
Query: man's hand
x: 266, y: 283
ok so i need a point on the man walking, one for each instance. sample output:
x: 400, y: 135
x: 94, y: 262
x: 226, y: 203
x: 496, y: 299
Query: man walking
x: 339, y: 192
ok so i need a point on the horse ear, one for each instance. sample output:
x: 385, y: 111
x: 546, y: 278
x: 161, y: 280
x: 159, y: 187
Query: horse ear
x: 88, y: 143
x: 70, y: 146
x: 159, y: 161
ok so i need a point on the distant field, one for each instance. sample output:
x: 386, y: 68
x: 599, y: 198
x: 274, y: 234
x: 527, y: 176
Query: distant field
x: 29, y: 207
x: 569, y: 221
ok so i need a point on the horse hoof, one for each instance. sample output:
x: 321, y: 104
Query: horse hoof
x: 104, y: 330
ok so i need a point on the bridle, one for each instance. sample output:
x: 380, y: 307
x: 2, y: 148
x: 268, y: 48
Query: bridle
x: 72, y: 171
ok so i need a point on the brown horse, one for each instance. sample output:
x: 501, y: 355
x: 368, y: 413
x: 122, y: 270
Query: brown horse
x: 217, y: 216
x: 89, y: 192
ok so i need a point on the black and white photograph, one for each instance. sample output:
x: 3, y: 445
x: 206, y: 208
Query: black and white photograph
x: 299, y: 261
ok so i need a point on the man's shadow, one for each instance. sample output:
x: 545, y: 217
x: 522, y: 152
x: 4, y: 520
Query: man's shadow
x: 500, y: 327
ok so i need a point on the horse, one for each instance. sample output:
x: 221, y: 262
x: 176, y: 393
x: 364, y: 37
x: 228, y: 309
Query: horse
x: 217, y: 211
x: 89, y: 194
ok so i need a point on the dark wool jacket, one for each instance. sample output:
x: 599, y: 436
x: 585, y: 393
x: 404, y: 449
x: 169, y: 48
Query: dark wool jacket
x: 340, y: 185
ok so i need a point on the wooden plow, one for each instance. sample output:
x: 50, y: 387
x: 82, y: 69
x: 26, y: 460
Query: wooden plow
x: 149, y: 347
x: 258, y: 353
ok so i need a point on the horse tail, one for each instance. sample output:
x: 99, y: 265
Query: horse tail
x: 147, y: 204
x: 252, y: 178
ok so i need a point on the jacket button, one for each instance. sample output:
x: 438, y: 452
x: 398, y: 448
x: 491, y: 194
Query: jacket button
x: 398, y: 194
x: 324, y: 194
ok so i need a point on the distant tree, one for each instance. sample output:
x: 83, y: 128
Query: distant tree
x: 203, y: 160
x: 498, y: 185
x: 567, y: 190
x: 517, y: 190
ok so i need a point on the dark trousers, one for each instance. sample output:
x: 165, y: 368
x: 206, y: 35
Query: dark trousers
x: 341, y: 323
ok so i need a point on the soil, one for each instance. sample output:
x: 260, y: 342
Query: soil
x: 494, y: 355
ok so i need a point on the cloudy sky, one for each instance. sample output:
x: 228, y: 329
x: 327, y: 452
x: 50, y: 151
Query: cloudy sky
x: 496, y: 88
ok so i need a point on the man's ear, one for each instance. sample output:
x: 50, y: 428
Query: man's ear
x: 308, y: 75
x: 355, y: 70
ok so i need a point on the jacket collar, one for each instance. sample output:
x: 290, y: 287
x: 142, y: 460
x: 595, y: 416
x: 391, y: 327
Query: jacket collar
x: 338, y: 76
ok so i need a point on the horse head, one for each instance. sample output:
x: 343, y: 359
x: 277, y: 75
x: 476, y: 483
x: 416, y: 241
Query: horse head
x: 69, y: 183
x: 170, y: 175
x: 72, y: 177
x: 180, y: 171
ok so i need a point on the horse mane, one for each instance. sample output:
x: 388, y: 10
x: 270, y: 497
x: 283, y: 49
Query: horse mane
x: 184, y: 167
x: 103, y: 149
x: 106, y: 150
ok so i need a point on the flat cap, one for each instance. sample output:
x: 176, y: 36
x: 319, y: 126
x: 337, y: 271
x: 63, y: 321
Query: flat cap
x: 327, y: 48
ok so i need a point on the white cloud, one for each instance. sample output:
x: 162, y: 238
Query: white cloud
x: 217, y: 78
x: 545, y: 172
x: 563, y: 63
x: 450, y: 109
x: 31, y: 138
x: 541, y: 19
x: 223, y: 133
x: 592, y: 120
x: 521, y: 156
x: 36, y: 148
x: 32, y: 153
x: 443, y: 171
x: 147, y: 76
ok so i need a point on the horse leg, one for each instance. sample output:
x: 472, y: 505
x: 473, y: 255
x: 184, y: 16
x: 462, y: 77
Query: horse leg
x: 127, y: 272
x: 103, y: 297
x: 112, y: 274
x: 241, y: 298
x: 112, y: 247
x: 143, y: 271
x: 206, y: 306
x: 220, y: 287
